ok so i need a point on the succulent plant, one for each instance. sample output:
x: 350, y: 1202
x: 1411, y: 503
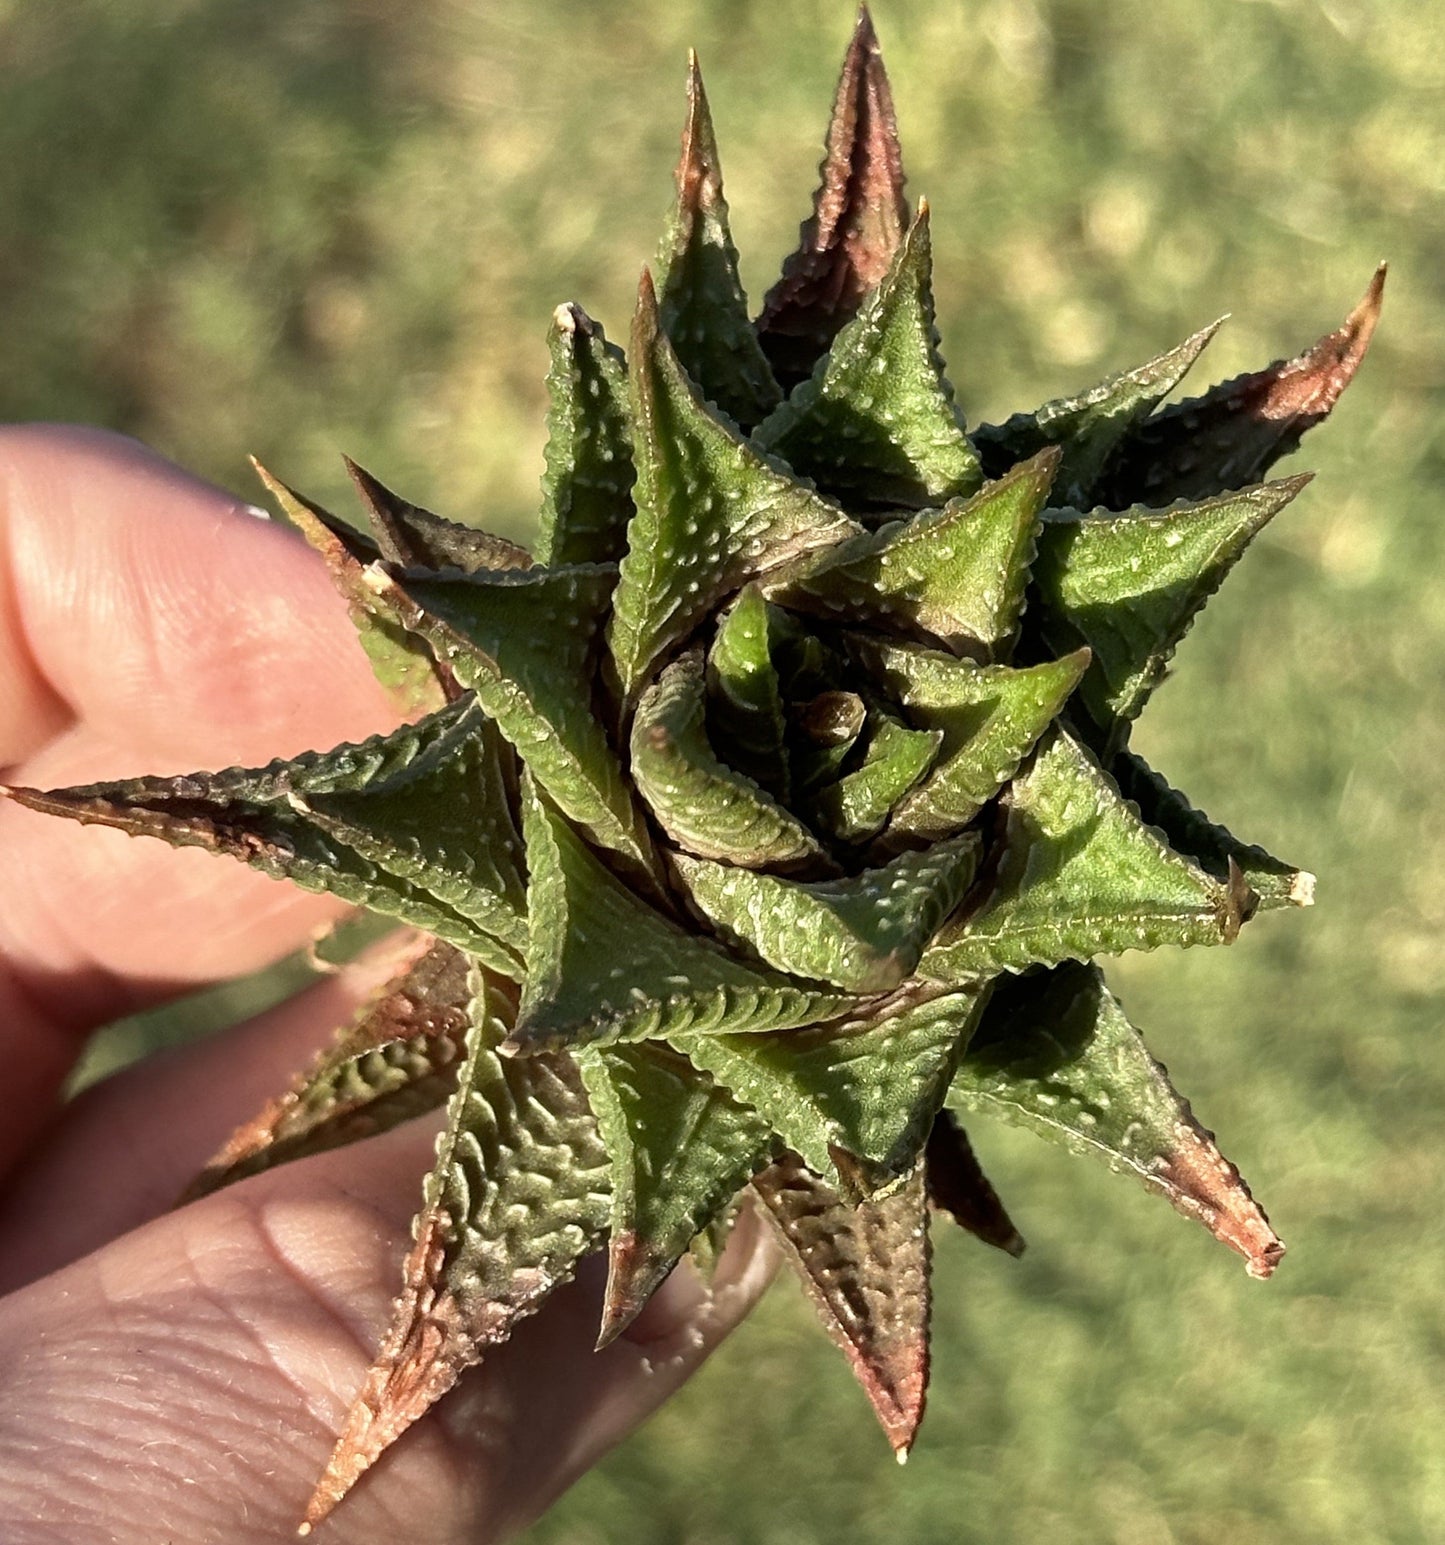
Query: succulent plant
x: 771, y: 817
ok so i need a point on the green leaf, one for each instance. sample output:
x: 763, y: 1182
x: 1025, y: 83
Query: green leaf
x: 524, y: 644
x: 396, y: 1060
x: 603, y: 966
x: 700, y: 294
x: 865, y: 1270
x: 858, y: 221
x: 958, y: 1186
x: 857, y: 1098
x: 1088, y: 428
x: 518, y: 1195
x: 413, y: 825
x: 876, y: 421
x: 1055, y: 1053
x: 1188, y: 831
x: 958, y: 573
x: 446, y: 826
x: 416, y: 539
x: 990, y: 716
x: 1234, y: 434
x: 587, y: 484
x: 745, y: 701
x: 404, y: 666
x: 1079, y: 874
x: 856, y: 807
x: 712, y: 512
x: 681, y: 1149
x: 1130, y: 585
x: 865, y: 933
x: 705, y: 806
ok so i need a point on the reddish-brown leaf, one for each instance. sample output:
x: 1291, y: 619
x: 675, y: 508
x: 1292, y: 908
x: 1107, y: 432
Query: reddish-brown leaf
x: 397, y: 1059
x: 858, y: 223
x: 424, y: 1354
x: 417, y: 539
x: 866, y: 1270
x: 958, y: 1186
x: 1232, y: 435
x: 518, y: 1195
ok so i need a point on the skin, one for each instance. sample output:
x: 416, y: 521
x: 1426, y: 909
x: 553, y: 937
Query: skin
x: 181, y: 1375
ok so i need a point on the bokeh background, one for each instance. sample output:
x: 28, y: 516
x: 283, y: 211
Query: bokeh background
x: 295, y: 227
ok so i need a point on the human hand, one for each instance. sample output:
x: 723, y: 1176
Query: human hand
x: 183, y: 1375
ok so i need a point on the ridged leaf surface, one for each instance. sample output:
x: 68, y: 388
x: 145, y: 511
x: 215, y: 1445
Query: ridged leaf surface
x: 1079, y: 874
x: 604, y: 966
x: 1055, y: 1053
x: 681, y: 1148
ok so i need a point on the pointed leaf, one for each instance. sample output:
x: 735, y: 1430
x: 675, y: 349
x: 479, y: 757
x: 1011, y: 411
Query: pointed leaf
x: 858, y: 221
x: 446, y: 826
x: 404, y: 666
x: 1130, y: 585
x: 958, y: 1186
x: 413, y: 825
x: 587, y: 485
x: 990, y: 715
x: 876, y: 421
x: 703, y: 805
x: 858, y: 1098
x: 1055, y: 1053
x: 745, y: 702
x: 1234, y: 434
x: 712, y: 512
x: 524, y: 643
x: 1090, y: 427
x: 866, y: 1270
x: 1079, y: 874
x: 958, y: 573
x: 519, y: 1194
x: 700, y: 294
x: 396, y: 1060
x: 681, y: 1149
x: 603, y: 966
x: 1274, y: 883
x: 416, y: 539
x: 864, y: 933
x: 857, y: 806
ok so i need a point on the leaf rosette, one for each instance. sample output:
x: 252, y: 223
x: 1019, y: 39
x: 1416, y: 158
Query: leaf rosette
x: 777, y: 809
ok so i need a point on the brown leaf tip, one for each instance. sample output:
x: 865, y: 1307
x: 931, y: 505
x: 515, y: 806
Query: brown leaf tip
x: 1203, y: 1184
x: 423, y: 1354
x: 698, y: 174
x: 1311, y: 384
x: 635, y: 1270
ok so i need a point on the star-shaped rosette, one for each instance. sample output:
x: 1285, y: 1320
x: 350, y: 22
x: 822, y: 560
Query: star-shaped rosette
x: 774, y: 814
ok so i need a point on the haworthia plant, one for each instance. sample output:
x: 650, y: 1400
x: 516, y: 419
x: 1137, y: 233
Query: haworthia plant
x: 778, y: 810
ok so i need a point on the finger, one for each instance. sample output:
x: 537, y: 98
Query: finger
x: 225, y: 1342
x: 165, y: 1117
x: 146, y: 624
x: 179, y: 633
x: 155, y: 610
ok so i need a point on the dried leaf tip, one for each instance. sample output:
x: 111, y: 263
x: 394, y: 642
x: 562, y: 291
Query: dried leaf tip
x: 699, y: 180
x: 1202, y: 1183
x: 570, y: 319
x: 635, y: 1270
x: 1311, y: 384
x: 421, y: 1358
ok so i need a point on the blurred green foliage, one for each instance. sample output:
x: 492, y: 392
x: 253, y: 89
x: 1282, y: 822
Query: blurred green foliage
x: 295, y: 227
